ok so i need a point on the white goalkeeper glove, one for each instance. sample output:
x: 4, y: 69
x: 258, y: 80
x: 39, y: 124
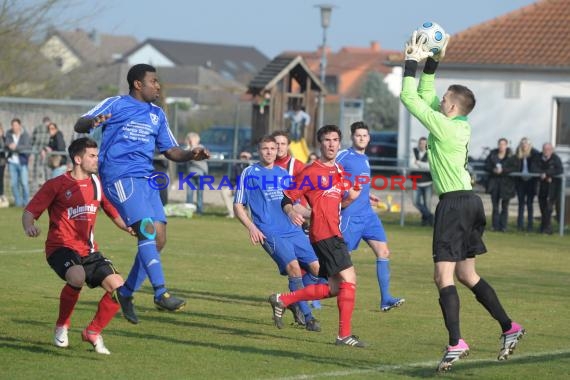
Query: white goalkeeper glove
x: 414, y: 48
x: 439, y: 56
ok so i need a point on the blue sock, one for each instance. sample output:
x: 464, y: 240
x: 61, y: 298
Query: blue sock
x: 383, y: 274
x: 150, y: 259
x: 296, y: 283
x: 310, y: 279
x: 136, y: 277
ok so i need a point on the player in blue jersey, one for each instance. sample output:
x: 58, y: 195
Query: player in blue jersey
x: 261, y: 189
x: 131, y: 128
x: 359, y: 221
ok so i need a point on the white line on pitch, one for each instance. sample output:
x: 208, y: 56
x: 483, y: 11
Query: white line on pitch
x: 395, y: 367
x: 16, y: 251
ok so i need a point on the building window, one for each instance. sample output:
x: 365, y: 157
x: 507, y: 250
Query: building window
x: 563, y: 121
x: 513, y: 89
x: 331, y: 84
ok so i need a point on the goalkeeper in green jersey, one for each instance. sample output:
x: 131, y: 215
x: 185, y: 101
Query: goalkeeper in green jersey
x: 459, y: 217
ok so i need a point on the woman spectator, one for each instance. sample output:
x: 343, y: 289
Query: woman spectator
x: 526, y: 185
x: 500, y: 163
x: 57, y: 162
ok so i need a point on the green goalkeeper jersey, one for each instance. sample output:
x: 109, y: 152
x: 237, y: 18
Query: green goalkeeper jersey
x: 448, y: 140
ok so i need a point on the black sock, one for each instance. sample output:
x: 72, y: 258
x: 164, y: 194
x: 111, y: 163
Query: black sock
x: 449, y: 302
x: 487, y: 297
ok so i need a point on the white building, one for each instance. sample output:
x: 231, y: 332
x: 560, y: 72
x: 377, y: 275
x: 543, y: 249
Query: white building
x: 518, y: 66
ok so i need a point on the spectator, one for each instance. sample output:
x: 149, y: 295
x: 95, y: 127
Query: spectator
x: 57, y: 162
x: 18, y: 143
x: 3, y: 199
x: 200, y: 168
x: 312, y: 158
x: 526, y: 185
x: 500, y: 163
x: 299, y: 121
x: 549, y: 165
x: 422, y: 194
x: 40, y: 139
x: 237, y: 169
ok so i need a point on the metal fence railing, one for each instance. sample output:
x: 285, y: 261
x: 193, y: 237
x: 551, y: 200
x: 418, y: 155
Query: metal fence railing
x: 405, y: 171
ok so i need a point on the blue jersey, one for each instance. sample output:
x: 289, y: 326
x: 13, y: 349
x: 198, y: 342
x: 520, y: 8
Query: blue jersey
x: 357, y: 169
x: 262, y: 190
x: 130, y: 136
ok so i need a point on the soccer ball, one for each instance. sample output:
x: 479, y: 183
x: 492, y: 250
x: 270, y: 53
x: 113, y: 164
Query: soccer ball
x: 435, y: 36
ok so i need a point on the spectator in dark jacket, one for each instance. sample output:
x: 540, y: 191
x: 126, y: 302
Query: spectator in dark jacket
x: 19, y: 147
x: 500, y: 163
x: 56, y: 143
x: 526, y: 185
x: 549, y: 165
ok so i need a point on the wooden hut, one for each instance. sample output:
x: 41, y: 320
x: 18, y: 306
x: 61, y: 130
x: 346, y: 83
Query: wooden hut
x: 284, y: 83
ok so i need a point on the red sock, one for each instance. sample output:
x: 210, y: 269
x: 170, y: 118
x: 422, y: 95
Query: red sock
x: 67, y: 300
x: 105, y: 312
x: 308, y: 293
x: 345, y: 301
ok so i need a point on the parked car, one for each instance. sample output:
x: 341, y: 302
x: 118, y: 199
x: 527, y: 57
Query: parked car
x: 383, y: 148
x: 219, y: 139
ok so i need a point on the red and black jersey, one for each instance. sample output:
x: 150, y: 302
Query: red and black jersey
x: 72, y: 207
x: 323, y: 187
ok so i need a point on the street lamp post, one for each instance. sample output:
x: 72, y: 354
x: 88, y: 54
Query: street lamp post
x: 326, y: 10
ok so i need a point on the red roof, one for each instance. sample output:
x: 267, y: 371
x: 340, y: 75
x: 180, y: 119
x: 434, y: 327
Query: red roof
x: 535, y: 35
x: 351, y: 65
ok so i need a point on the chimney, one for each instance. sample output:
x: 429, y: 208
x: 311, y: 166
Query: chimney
x: 375, y: 46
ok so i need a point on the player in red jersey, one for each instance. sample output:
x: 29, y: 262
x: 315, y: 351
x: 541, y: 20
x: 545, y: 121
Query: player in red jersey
x: 323, y: 186
x: 72, y: 200
x: 294, y: 167
x: 284, y: 159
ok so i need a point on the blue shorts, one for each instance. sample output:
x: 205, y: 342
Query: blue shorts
x: 135, y: 200
x: 284, y: 249
x: 367, y: 227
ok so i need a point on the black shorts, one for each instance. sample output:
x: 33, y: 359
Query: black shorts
x: 459, y: 225
x: 333, y: 256
x: 96, y: 266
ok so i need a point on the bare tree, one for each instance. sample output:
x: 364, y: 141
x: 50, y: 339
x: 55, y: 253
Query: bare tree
x: 25, y: 72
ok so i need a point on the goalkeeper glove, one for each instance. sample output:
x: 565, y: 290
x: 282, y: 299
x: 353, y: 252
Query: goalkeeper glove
x: 414, y: 48
x: 439, y: 56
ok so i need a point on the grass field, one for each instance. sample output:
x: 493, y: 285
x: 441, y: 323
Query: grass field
x: 226, y: 331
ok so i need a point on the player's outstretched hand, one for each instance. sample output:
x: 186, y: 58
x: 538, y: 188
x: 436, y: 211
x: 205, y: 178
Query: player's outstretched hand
x: 439, y: 56
x: 414, y: 48
x: 200, y: 153
x: 97, y: 121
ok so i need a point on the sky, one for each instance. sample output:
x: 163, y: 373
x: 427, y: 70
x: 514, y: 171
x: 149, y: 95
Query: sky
x: 273, y: 26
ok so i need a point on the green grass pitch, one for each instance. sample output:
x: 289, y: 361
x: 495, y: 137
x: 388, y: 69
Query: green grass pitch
x: 226, y: 331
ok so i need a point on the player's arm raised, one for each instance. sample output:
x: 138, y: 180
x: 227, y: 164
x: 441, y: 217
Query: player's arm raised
x: 85, y: 123
x: 178, y: 154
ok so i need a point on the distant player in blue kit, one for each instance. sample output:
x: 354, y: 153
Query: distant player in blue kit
x: 261, y: 188
x: 132, y: 127
x: 358, y: 220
